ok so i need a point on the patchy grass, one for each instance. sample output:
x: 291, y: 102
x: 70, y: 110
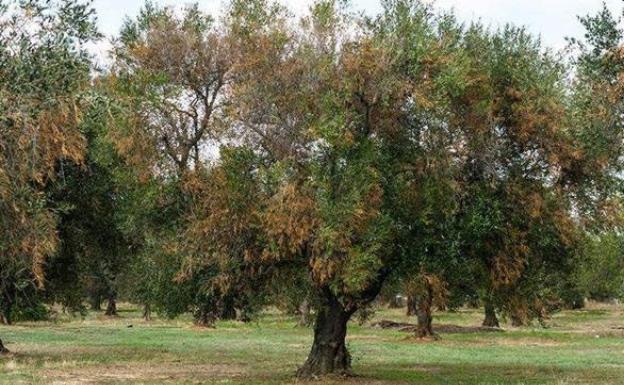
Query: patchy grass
x: 579, y: 347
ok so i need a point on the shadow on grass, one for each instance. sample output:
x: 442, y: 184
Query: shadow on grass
x: 437, y: 328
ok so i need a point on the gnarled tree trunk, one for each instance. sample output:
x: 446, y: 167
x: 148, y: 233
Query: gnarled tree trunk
x: 111, y: 308
x: 147, y: 312
x: 425, y: 319
x: 412, y: 305
x: 205, y: 317
x: 228, y: 311
x: 424, y: 300
x: 490, y: 320
x: 9, y: 296
x: 6, y: 305
x: 329, y: 353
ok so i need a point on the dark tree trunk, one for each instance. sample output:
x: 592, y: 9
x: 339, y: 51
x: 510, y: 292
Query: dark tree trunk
x: 228, y: 311
x: 329, y: 353
x: 111, y: 308
x: 424, y: 315
x: 412, y: 305
x: 205, y: 317
x: 96, y: 303
x: 6, y: 306
x: 490, y: 321
x: 517, y: 320
x: 304, y: 314
x: 147, y: 312
x: 3, y: 350
x: 5, y: 317
x: 425, y: 320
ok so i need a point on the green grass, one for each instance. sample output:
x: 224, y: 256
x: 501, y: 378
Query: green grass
x: 579, y: 347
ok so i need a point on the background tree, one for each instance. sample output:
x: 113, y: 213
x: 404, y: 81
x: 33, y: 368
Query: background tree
x: 517, y: 219
x: 600, y: 274
x: 224, y: 239
x: 424, y: 192
x: 173, y: 71
x: 94, y: 251
x: 170, y: 73
x: 596, y: 111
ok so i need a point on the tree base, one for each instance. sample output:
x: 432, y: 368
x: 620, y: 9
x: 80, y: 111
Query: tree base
x: 491, y: 323
x: 325, y: 366
x: 206, y: 320
x: 4, y: 319
x: 329, y: 355
x: 147, y: 313
x: 111, y: 309
x: 426, y: 333
x: 3, y: 350
x: 490, y: 320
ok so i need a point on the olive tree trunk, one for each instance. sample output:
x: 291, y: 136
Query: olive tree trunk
x: 490, y: 320
x: 228, y: 311
x: 111, y: 307
x: 424, y: 304
x: 147, y: 312
x: 412, y: 305
x: 6, y: 306
x: 329, y: 354
x: 206, y: 316
x: 425, y: 320
x: 5, y: 315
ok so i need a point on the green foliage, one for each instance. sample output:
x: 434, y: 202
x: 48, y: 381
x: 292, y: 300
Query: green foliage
x: 600, y: 270
x: 44, y: 75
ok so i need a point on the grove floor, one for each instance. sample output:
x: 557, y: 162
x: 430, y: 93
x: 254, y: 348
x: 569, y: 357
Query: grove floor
x: 578, y: 347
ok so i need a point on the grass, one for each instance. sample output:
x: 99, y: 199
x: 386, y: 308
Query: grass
x: 579, y: 347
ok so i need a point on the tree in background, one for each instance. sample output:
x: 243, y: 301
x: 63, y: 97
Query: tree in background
x: 519, y: 184
x: 169, y: 73
x: 597, y: 107
x: 600, y: 274
x: 94, y: 251
x: 225, y: 237
x: 173, y: 72
x: 44, y: 73
x: 423, y: 194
